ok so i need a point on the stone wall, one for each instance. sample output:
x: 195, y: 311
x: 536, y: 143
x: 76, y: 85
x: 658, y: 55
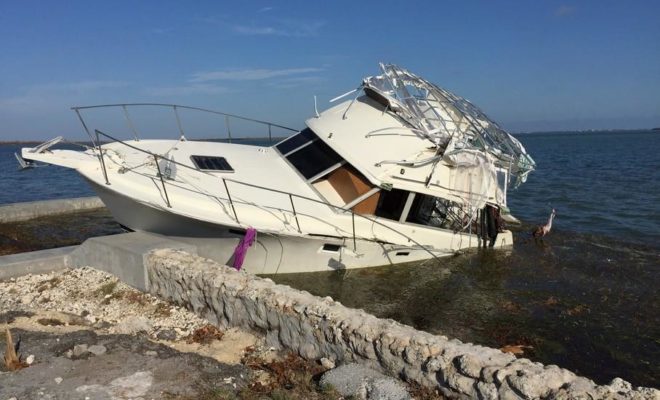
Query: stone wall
x: 314, y: 327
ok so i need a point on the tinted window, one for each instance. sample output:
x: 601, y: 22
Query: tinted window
x: 390, y: 204
x: 210, y: 163
x: 295, y: 141
x: 313, y: 159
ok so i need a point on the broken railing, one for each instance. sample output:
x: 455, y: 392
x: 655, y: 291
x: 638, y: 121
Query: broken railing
x: 224, y: 180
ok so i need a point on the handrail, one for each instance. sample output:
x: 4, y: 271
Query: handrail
x: 98, y: 147
x: 77, y: 108
x: 291, y: 195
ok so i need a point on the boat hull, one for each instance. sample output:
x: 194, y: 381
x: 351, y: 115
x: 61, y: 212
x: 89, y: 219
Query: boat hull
x: 271, y: 254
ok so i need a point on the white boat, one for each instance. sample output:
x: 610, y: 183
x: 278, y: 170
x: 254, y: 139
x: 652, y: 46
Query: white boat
x: 401, y: 170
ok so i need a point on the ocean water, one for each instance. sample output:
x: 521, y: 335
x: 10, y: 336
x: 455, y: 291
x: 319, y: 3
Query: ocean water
x: 42, y: 183
x: 585, y: 298
x: 604, y: 183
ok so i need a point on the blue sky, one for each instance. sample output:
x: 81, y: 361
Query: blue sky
x: 530, y: 65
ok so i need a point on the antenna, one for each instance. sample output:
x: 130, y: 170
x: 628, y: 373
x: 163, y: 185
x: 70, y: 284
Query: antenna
x: 349, y: 105
x: 316, y: 110
x: 345, y: 94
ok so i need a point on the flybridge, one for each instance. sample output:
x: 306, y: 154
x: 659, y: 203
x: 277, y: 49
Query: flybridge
x: 450, y: 122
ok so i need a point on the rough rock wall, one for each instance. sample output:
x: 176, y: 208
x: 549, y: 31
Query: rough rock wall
x: 315, y: 327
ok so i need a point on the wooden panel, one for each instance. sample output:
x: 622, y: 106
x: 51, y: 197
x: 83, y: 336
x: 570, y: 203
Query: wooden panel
x: 349, y: 183
x: 368, y: 205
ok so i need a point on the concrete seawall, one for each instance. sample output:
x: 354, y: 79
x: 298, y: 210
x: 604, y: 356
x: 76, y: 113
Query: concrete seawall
x: 35, y: 262
x: 35, y: 209
x: 315, y: 328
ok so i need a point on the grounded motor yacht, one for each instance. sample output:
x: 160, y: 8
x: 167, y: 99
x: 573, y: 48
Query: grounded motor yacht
x: 398, y: 170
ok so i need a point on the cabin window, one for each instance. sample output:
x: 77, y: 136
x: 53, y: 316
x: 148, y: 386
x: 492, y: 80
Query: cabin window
x: 423, y: 210
x: 210, y: 163
x: 437, y: 212
x: 391, y: 204
x: 313, y: 159
x: 295, y: 141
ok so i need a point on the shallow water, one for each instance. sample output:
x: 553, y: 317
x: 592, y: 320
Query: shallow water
x: 55, y: 231
x: 585, y: 298
x: 582, y: 302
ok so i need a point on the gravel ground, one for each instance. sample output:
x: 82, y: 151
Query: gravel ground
x: 87, y: 336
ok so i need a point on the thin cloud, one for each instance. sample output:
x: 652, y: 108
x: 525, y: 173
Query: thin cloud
x: 186, y: 90
x: 40, y: 95
x: 258, y: 30
x: 266, y: 25
x: 288, y: 28
x: 249, y: 74
x: 75, y: 87
x: 564, y: 10
x: 298, y: 81
x: 265, y: 9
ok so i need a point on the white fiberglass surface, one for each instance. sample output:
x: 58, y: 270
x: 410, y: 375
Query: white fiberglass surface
x: 365, y: 136
x: 258, y: 166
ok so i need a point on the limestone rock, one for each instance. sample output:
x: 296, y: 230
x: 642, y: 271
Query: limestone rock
x: 462, y: 384
x: 387, y: 389
x: 27, y: 299
x: 620, y: 386
x: 133, y: 325
x: 79, y: 350
x: 357, y: 380
x: 327, y: 363
x: 166, y: 334
x: 487, y: 391
x: 468, y: 365
x: 97, y: 349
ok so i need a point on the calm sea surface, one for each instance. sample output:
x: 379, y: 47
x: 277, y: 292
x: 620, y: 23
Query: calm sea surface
x: 585, y: 299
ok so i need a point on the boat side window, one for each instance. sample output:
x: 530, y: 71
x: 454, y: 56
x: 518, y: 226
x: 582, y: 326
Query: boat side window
x: 436, y: 212
x: 422, y: 209
x: 391, y: 204
x: 296, y: 141
x: 314, y: 159
x: 211, y: 163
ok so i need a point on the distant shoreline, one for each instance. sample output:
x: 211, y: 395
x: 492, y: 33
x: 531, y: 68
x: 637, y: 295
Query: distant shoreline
x: 256, y: 138
x: 589, y: 131
x: 277, y: 139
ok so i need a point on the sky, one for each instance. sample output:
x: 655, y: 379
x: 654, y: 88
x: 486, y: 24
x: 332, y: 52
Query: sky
x: 530, y: 65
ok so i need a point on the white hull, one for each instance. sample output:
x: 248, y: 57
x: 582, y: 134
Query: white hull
x: 272, y: 253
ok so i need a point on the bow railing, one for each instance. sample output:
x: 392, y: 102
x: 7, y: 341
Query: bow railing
x: 270, y: 130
